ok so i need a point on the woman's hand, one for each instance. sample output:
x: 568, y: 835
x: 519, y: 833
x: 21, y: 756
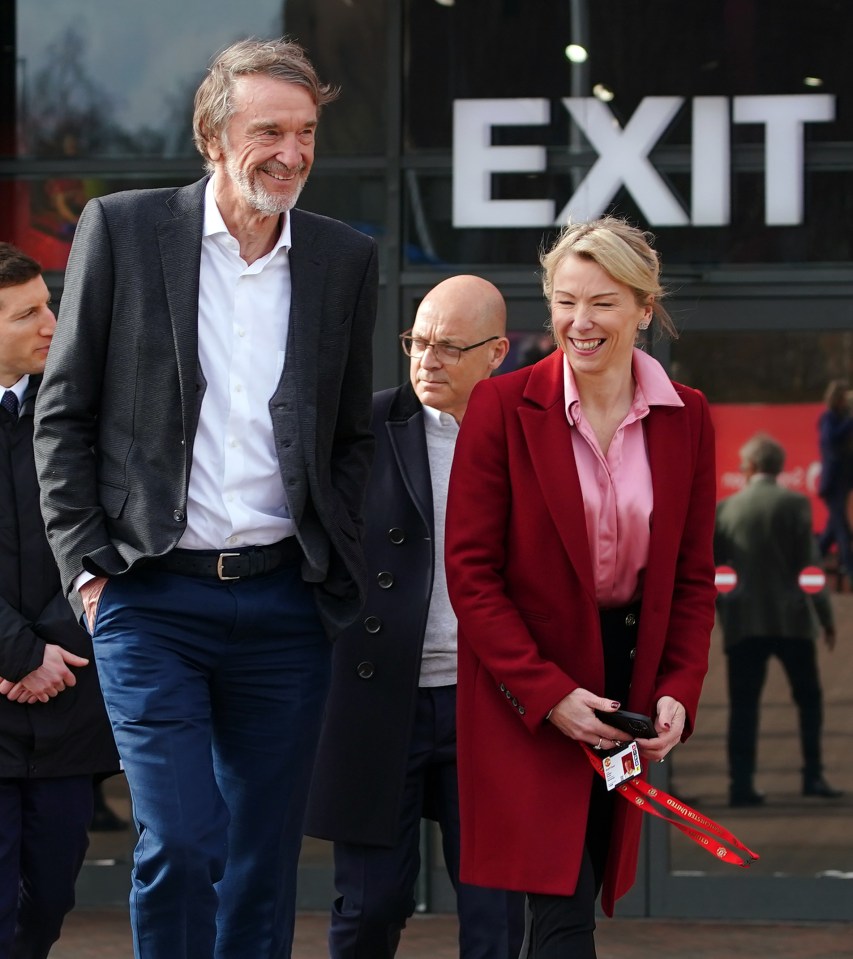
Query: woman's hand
x: 669, y: 723
x: 575, y: 717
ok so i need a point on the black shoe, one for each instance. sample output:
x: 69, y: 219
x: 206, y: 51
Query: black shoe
x: 745, y: 797
x: 818, y: 786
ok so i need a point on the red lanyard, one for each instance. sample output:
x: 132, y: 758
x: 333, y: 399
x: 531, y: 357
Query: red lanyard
x: 646, y: 797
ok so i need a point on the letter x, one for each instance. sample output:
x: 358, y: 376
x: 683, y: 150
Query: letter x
x: 623, y: 159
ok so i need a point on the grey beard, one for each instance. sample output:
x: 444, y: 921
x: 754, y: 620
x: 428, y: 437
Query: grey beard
x: 267, y: 203
x: 259, y: 199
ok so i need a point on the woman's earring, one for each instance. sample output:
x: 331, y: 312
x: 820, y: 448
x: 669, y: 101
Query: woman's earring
x: 644, y: 325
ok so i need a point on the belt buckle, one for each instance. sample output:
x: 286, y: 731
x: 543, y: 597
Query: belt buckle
x: 219, y: 571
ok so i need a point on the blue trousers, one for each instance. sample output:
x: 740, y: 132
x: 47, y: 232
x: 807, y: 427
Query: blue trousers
x: 43, y: 840
x: 215, y: 692
x: 376, y: 885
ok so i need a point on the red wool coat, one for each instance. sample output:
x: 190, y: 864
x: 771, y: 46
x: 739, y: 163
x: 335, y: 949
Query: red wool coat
x: 520, y: 579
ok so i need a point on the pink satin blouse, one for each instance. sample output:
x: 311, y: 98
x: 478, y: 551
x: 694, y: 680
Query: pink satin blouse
x: 617, y: 488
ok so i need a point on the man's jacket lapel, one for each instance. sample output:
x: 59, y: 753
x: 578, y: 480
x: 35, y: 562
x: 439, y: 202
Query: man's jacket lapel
x: 180, y: 258
x: 407, y: 436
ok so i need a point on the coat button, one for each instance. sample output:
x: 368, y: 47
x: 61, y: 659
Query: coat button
x: 385, y: 580
x: 373, y: 624
x: 521, y: 710
x: 365, y: 670
x: 633, y: 654
x: 514, y: 701
x: 179, y: 516
x: 503, y: 688
x: 631, y: 619
x: 396, y: 535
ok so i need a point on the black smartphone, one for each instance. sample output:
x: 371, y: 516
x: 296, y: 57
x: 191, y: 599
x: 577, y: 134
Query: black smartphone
x: 635, y: 724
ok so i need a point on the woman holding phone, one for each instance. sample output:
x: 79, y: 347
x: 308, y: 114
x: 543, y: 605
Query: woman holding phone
x: 580, y: 566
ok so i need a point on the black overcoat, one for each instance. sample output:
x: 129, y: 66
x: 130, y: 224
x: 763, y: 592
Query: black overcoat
x: 360, y: 768
x: 69, y: 735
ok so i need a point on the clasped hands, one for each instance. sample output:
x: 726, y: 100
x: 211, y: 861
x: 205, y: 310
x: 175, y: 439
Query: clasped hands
x: 49, y: 680
x: 53, y: 676
x: 575, y: 717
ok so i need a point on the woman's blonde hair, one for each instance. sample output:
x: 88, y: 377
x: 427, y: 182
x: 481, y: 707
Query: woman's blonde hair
x: 623, y: 251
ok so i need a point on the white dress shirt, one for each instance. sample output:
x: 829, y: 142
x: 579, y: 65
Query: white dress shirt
x: 236, y: 496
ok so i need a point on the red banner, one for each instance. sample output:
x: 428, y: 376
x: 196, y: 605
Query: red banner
x: 794, y: 425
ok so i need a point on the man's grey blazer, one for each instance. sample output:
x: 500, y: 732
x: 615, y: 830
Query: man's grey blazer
x: 764, y: 532
x: 119, y: 404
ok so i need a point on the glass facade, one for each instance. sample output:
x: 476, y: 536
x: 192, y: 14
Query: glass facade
x: 679, y: 79
x: 101, y: 79
x: 465, y: 133
x: 103, y: 96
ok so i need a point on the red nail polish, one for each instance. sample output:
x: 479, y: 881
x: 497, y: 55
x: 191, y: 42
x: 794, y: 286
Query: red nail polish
x: 615, y: 705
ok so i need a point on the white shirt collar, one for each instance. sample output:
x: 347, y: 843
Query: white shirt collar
x: 214, y: 224
x: 438, y: 418
x: 19, y: 388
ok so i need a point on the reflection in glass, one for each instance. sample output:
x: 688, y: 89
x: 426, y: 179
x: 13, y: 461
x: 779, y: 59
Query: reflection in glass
x: 786, y: 367
x: 795, y: 835
x: 118, y: 80
x: 347, y: 43
x: 107, y: 79
x: 112, y: 835
x: 771, y: 382
x: 685, y: 51
x: 106, y: 82
x: 39, y: 214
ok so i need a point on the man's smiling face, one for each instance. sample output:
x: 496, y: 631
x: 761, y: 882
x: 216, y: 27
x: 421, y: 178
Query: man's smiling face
x: 266, y: 151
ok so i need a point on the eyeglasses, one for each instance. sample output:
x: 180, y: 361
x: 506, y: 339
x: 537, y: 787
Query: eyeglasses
x: 445, y: 353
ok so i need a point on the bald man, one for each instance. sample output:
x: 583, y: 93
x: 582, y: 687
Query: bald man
x: 387, y: 754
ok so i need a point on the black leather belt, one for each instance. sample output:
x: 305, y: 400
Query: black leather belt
x: 243, y: 563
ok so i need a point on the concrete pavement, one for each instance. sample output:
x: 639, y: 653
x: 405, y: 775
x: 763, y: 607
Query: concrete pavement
x: 105, y: 934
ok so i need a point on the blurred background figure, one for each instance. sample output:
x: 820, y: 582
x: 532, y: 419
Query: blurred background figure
x: 764, y: 532
x: 535, y: 347
x: 835, y: 435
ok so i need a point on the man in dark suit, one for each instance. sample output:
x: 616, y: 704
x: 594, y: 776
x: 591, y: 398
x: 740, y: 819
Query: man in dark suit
x: 764, y: 532
x: 387, y: 753
x: 203, y: 438
x: 54, y: 733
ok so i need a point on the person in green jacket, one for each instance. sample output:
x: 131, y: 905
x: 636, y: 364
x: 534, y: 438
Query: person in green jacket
x: 764, y: 532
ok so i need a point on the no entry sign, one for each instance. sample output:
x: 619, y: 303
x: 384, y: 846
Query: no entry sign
x: 812, y: 579
x: 725, y: 579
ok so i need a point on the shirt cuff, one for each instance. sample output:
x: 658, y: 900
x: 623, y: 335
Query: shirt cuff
x: 82, y: 579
